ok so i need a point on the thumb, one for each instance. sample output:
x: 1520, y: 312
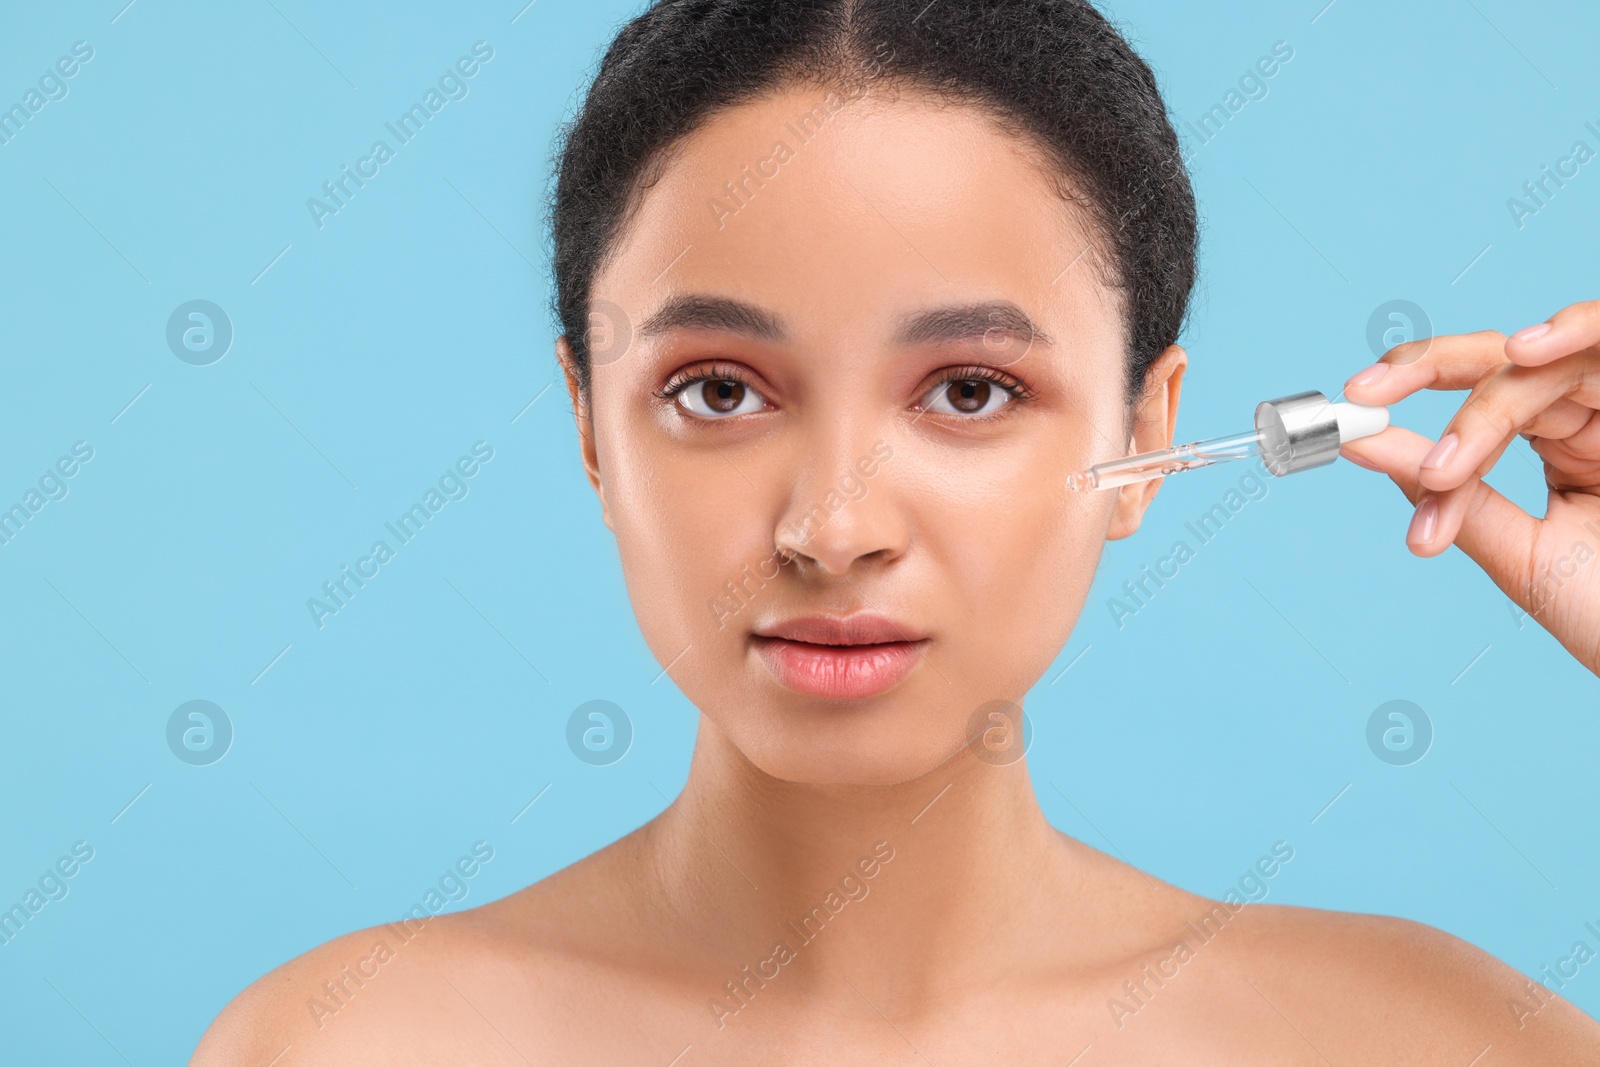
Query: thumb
x: 1495, y: 534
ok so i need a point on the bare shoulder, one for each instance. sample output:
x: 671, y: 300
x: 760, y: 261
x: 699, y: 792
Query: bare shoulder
x: 316, y: 1007
x: 1386, y: 989
x: 484, y: 985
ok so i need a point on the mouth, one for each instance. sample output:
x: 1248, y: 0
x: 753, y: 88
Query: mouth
x: 852, y: 657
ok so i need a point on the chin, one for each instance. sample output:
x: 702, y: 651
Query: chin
x: 843, y: 744
x: 874, y: 769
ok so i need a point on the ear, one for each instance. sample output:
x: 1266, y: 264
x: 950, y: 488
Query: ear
x: 1154, y: 424
x: 584, y: 417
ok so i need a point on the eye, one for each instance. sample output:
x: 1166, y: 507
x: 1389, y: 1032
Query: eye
x: 974, y: 392
x: 716, y: 394
x: 714, y: 398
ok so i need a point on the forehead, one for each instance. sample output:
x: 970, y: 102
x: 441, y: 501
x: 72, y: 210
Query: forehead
x: 843, y: 212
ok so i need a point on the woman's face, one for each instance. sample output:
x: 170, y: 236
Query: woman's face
x: 845, y: 356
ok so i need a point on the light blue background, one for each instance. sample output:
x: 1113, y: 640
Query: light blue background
x: 427, y: 714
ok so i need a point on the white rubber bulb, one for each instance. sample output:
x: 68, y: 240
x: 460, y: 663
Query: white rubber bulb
x: 1359, y: 420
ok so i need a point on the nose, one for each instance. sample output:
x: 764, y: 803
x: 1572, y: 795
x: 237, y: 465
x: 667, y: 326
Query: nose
x: 843, y: 507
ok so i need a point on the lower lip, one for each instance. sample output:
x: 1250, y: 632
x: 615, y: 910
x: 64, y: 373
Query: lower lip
x: 839, y: 672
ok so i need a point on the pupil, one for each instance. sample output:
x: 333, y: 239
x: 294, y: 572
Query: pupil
x: 723, y: 396
x: 969, y: 395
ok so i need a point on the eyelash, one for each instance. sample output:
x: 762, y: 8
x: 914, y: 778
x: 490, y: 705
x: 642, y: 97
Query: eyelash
x: 727, y: 372
x: 716, y: 372
x: 1019, y: 392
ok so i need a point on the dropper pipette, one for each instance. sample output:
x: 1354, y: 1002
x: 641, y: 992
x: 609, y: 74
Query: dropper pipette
x: 1293, y: 433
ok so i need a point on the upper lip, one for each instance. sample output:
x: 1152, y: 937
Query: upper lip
x: 861, y: 628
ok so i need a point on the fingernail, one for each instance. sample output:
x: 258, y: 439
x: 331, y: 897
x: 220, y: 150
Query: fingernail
x: 1358, y: 461
x: 1441, y: 452
x: 1531, y: 333
x: 1370, y: 375
x: 1424, y: 522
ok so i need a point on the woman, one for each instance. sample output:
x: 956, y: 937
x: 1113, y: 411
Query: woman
x: 873, y: 277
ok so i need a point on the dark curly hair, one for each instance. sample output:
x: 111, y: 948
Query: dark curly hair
x: 1055, y: 71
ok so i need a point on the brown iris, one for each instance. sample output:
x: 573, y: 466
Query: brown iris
x: 722, y: 395
x: 968, y: 396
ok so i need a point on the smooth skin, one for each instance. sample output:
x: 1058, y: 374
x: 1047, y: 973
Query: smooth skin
x: 960, y: 927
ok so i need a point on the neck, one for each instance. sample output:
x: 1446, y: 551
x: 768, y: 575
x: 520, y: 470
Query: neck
x: 905, y: 886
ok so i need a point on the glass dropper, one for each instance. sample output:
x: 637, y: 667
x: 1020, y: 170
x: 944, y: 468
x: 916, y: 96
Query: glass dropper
x: 1148, y: 465
x: 1293, y: 433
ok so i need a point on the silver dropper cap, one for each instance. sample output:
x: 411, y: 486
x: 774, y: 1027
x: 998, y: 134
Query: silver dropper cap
x: 1298, y: 432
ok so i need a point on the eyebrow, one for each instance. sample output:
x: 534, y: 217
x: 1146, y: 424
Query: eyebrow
x: 968, y: 322
x: 714, y: 313
x: 933, y: 326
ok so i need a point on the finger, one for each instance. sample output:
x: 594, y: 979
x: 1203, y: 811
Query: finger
x: 1566, y: 470
x: 1566, y: 435
x: 1491, y: 530
x: 1396, y: 452
x: 1583, y: 442
x: 1565, y: 420
x: 1572, y: 329
x: 1436, y: 517
x: 1501, y: 405
x: 1453, y: 509
x: 1457, y: 361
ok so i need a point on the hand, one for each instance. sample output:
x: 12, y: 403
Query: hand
x: 1544, y: 384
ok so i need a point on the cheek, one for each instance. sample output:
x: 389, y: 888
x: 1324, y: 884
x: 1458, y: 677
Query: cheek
x: 1021, y: 552
x: 684, y: 531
